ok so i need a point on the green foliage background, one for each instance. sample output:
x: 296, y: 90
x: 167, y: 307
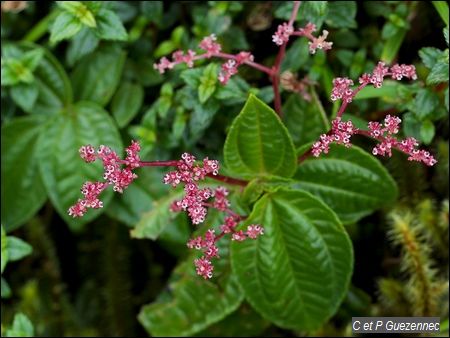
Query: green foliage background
x: 339, y: 229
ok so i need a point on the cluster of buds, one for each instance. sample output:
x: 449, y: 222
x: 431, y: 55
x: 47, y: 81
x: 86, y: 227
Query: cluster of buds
x: 341, y: 86
x: 340, y: 133
x: 385, y: 134
x: 285, y: 30
x: 290, y: 82
x: 118, y: 173
x: 211, y: 48
x: 195, y: 202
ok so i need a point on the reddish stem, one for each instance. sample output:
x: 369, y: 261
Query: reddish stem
x: 158, y: 163
x: 252, y: 64
x: 345, y: 103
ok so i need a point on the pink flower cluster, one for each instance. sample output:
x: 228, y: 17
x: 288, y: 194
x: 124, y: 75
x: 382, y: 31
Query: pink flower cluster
x: 385, y: 134
x: 211, y: 48
x: 114, y: 175
x: 340, y: 133
x: 207, y: 243
x: 341, y: 86
x: 195, y: 202
x: 285, y: 30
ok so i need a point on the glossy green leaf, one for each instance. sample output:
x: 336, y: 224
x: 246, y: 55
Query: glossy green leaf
x: 109, y: 26
x: 153, y: 222
x: 298, y: 272
x: 65, y: 26
x: 97, y: 76
x: 22, y: 190
x: 341, y: 14
x: 21, y: 327
x: 439, y: 72
x: 258, y: 143
x: 17, y: 248
x: 25, y: 95
x: 61, y: 167
x: 207, y: 83
x: 83, y: 43
x: 193, y: 304
x: 5, y: 253
x: 306, y: 121
x: 350, y: 181
x: 442, y: 9
x: 126, y: 102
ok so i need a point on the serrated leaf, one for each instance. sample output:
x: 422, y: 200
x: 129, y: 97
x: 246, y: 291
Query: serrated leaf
x: 298, y: 272
x: 109, y: 26
x: 426, y: 102
x: 439, y: 72
x: 153, y: 222
x: 258, y: 143
x: 96, y: 78
x: 350, y: 181
x: 430, y: 55
x: 306, y: 121
x: 17, y: 248
x: 5, y: 253
x: 65, y: 26
x: 341, y: 14
x: 21, y: 327
x: 22, y: 190
x: 83, y: 43
x: 193, y: 304
x: 207, y: 83
x: 25, y: 95
x: 63, y: 171
x: 126, y: 103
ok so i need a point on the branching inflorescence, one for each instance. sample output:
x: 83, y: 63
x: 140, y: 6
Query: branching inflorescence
x: 341, y: 132
x: 119, y: 173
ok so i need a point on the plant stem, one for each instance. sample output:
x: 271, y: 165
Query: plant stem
x: 275, y: 77
x: 41, y: 27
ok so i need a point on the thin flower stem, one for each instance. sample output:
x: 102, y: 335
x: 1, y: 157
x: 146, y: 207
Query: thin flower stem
x: 275, y: 77
x: 252, y: 64
x: 345, y: 104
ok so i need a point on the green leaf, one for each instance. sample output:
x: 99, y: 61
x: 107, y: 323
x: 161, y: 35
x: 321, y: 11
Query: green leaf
x: 22, y: 190
x: 6, y: 290
x: 392, y: 46
x: 442, y: 9
x: 258, y: 143
x: 341, y: 14
x: 33, y: 58
x: 193, y: 304
x: 97, y: 76
x: 65, y: 26
x: 83, y: 43
x: 306, y: 121
x: 109, y: 26
x: 25, y: 95
x: 63, y: 171
x: 21, y: 327
x: 446, y: 35
x: 153, y: 222
x: 152, y: 10
x: 430, y: 55
x: 17, y: 248
x: 350, y: 181
x: 165, y: 99
x: 296, y: 56
x: 16, y: 72
x: 446, y: 98
x: 439, y: 72
x: 164, y: 48
x: 426, y: 102
x: 126, y: 103
x: 201, y: 118
x: 5, y: 253
x: 298, y: 272
x: 207, y: 83
x: 79, y: 10
x: 427, y: 131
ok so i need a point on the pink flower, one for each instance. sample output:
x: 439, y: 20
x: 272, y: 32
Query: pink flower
x: 113, y: 175
x: 378, y: 74
x: 282, y: 34
x: 341, y: 89
x: 204, y: 267
x: 210, y: 46
x: 320, y: 43
x: 254, y: 230
x: 238, y: 236
x: 340, y: 133
x: 308, y: 29
x: 163, y: 64
x: 400, y: 71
